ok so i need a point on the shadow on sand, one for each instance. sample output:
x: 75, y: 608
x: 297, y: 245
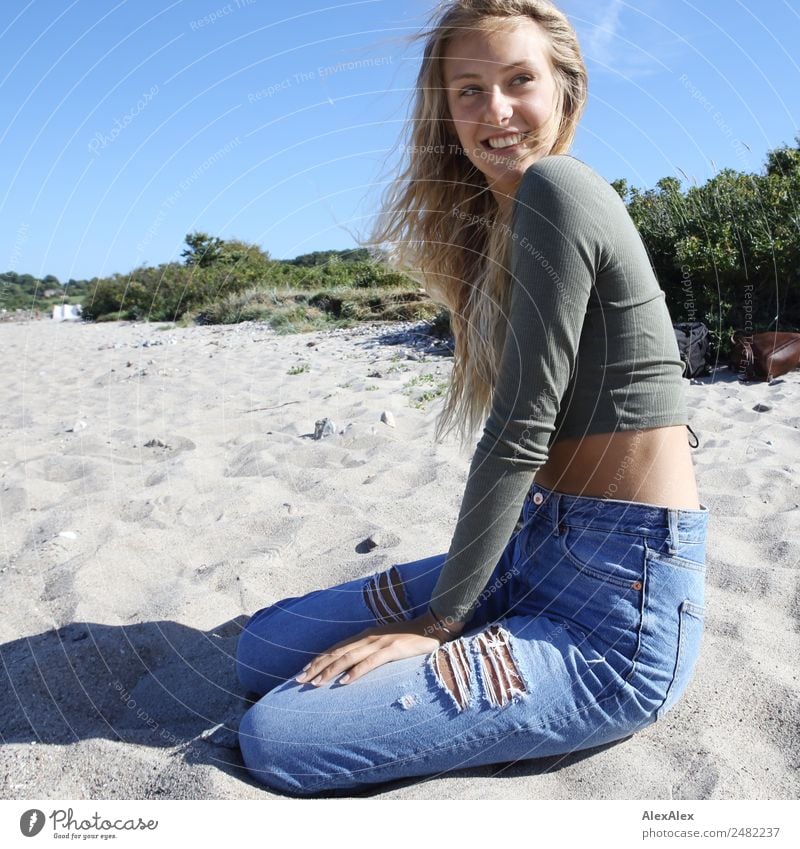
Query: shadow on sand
x: 158, y: 684
x: 152, y: 683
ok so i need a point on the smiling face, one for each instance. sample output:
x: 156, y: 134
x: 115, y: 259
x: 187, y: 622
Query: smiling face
x: 503, y: 96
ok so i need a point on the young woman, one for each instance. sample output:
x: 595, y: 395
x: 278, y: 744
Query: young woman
x: 582, y: 625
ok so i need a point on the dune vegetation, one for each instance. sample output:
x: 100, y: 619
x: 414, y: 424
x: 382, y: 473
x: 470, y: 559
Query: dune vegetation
x: 726, y: 253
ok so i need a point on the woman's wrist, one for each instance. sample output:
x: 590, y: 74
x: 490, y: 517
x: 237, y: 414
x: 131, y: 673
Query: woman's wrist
x: 443, y: 626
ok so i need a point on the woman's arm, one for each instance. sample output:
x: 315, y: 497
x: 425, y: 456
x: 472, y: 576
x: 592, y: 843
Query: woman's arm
x: 545, y: 322
x: 555, y: 255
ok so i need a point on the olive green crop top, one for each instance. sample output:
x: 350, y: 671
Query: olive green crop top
x: 589, y: 348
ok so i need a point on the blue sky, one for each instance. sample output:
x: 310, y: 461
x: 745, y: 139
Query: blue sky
x: 127, y: 125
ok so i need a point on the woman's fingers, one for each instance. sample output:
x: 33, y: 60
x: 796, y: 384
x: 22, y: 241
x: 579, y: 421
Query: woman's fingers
x: 377, y: 657
x: 330, y: 664
x: 368, y: 650
x: 362, y: 635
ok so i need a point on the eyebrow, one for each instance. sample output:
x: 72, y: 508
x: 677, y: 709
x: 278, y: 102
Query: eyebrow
x: 519, y: 64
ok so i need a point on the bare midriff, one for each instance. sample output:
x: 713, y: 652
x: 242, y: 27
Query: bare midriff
x: 649, y: 466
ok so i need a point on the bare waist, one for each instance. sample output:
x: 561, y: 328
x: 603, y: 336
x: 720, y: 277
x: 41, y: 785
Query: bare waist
x: 652, y: 466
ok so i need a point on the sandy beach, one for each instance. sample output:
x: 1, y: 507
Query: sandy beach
x: 160, y: 484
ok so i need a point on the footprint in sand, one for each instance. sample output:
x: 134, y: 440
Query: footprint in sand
x: 253, y: 460
x: 135, y: 511
x: 61, y: 469
x: 756, y: 582
x: 12, y: 500
x: 59, y: 592
x: 721, y: 628
x: 699, y: 779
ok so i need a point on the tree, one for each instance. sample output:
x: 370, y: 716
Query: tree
x: 784, y: 161
x: 620, y: 187
x: 203, y: 250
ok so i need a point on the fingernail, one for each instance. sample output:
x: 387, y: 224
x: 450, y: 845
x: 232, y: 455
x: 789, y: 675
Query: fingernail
x: 300, y: 677
x: 306, y: 666
x: 344, y: 679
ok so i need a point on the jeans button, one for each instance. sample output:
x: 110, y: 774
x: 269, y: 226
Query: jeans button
x: 538, y: 498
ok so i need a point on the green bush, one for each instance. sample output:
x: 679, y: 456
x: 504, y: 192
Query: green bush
x: 728, y: 252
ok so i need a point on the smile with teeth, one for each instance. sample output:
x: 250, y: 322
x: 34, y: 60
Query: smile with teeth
x: 504, y: 141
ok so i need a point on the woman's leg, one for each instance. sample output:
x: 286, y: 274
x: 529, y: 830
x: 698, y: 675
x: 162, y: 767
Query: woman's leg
x: 589, y: 649
x: 511, y: 695
x: 280, y: 639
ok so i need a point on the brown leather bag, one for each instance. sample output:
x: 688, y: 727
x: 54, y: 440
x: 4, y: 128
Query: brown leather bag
x: 762, y: 356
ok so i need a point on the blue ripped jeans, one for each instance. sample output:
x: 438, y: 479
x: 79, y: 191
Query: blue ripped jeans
x: 587, y: 631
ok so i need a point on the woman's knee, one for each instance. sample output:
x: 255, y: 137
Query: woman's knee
x: 266, y: 754
x: 254, y: 653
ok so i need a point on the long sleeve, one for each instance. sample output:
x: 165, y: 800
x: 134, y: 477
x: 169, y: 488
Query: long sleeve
x: 555, y: 255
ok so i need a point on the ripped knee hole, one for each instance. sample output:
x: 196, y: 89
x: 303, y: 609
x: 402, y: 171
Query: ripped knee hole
x: 385, y: 596
x: 499, y: 671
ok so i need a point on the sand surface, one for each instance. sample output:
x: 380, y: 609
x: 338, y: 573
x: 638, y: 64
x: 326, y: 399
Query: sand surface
x: 159, y: 484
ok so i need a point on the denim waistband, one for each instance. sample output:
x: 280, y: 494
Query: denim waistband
x: 633, y: 517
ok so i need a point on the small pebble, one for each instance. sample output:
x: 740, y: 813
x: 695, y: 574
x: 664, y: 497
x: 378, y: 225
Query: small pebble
x: 324, y: 427
x: 221, y: 735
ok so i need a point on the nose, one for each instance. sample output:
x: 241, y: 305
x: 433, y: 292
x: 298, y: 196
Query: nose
x: 499, y: 107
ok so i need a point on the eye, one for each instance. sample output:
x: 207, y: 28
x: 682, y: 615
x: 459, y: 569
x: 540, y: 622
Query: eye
x: 467, y: 91
x: 526, y: 77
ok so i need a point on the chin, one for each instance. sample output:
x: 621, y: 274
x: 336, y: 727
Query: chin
x: 509, y: 178
x: 511, y: 165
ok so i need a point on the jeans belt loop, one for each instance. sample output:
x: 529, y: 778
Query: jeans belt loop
x: 674, y: 538
x: 557, y: 508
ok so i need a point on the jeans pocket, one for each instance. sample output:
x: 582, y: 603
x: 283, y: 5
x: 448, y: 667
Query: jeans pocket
x: 690, y: 631
x: 607, y: 555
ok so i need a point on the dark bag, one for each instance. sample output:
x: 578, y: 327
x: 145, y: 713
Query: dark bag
x: 762, y: 356
x: 693, y: 345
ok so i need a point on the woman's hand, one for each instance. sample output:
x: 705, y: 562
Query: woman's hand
x: 375, y: 646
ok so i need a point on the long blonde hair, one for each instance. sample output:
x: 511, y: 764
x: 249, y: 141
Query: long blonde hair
x: 443, y: 225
